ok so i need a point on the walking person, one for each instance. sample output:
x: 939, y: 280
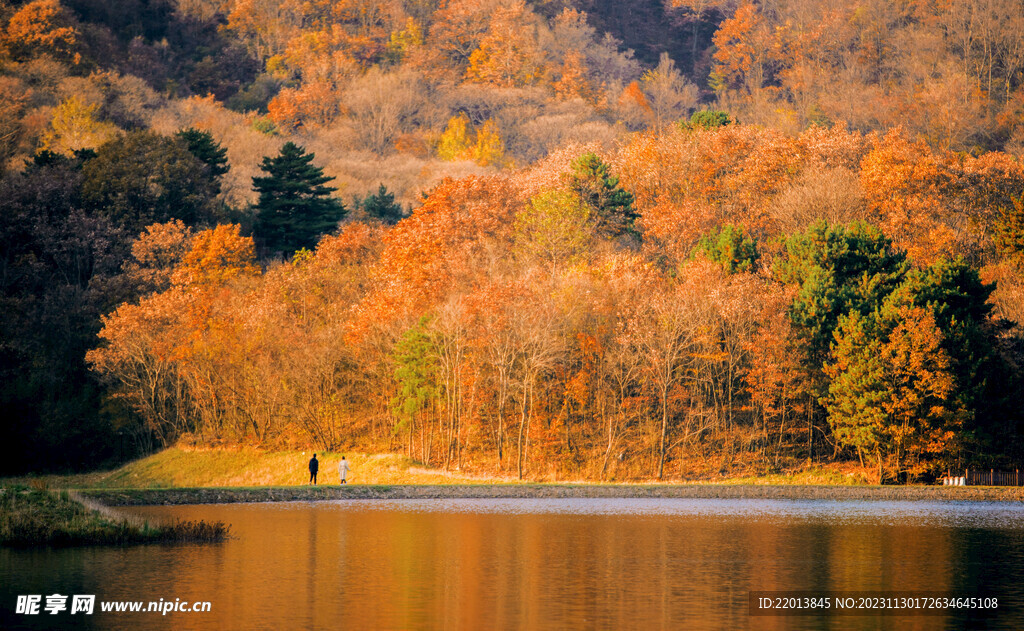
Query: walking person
x: 343, y: 470
x: 314, y: 466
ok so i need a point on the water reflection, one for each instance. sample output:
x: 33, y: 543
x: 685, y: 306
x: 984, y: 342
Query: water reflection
x: 539, y: 564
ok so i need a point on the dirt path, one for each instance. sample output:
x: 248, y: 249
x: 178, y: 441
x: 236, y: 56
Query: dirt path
x: 140, y: 497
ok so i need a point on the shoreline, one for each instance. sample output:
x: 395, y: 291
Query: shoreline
x: 228, y: 495
x: 33, y: 518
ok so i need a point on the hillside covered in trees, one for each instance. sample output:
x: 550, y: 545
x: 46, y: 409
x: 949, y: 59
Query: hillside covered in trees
x: 553, y: 238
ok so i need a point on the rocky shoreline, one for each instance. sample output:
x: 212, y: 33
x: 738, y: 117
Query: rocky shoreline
x: 173, y: 496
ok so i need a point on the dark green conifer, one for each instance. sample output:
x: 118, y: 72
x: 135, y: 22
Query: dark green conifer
x: 202, y: 145
x: 838, y: 270
x: 416, y: 374
x: 709, y: 119
x: 1008, y: 231
x: 381, y: 205
x: 611, y: 204
x: 295, y: 208
x: 731, y: 246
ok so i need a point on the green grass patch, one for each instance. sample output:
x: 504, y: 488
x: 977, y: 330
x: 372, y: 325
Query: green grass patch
x: 37, y: 517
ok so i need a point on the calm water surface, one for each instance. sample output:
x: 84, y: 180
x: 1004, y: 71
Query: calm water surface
x: 539, y: 564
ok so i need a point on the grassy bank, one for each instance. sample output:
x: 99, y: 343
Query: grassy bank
x: 188, y: 467
x: 246, y: 472
x: 37, y: 517
x: 246, y: 467
x: 202, y: 476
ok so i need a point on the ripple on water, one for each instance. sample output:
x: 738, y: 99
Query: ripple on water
x: 1000, y: 515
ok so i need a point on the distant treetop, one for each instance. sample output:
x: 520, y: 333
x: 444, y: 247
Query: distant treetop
x: 709, y: 119
x: 202, y: 145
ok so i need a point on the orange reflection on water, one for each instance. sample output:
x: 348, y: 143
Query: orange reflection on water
x: 481, y: 564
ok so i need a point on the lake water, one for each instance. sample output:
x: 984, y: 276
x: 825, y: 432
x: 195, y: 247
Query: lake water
x: 539, y: 564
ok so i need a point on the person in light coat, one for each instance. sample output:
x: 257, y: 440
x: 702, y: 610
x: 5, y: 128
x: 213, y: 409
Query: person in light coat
x: 343, y: 470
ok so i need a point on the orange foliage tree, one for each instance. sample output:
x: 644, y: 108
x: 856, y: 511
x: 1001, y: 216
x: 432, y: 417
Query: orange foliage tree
x: 937, y: 204
x: 745, y: 51
x: 42, y: 27
x: 508, y: 55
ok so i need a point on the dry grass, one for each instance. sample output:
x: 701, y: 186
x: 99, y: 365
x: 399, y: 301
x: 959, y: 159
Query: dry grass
x: 196, y: 531
x: 38, y: 517
x: 837, y: 474
x: 249, y: 467
x: 226, y: 467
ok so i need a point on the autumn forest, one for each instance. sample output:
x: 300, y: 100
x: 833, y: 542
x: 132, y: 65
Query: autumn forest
x: 555, y: 239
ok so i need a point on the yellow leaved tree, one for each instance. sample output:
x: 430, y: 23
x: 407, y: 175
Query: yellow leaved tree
x: 460, y: 142
x: 75, y: 127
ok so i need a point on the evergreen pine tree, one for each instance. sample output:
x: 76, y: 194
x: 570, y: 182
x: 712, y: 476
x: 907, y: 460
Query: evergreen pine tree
x: 838, y: 270
x: 202, y: 145
x: 382, y: 206
x: 708, y: 119
x: 959, y: 302
x: 730, y: 246
x: 891, y: 394
x: 1009, y: 229
x: 295, y: 208
x: 416, y: 374
x: 612, y: 205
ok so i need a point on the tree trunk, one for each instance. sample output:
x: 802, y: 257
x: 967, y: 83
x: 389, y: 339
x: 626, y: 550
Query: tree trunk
x: 501, y: 432
x: 522, y: 424
x: 664, y: 431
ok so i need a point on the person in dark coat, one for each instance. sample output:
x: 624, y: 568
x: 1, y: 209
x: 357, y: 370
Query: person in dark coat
x: 314, y: 466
